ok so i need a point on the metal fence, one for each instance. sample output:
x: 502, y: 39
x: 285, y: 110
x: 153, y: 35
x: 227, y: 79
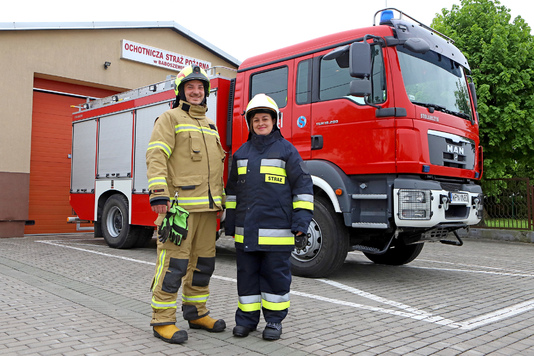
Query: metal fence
x: 508, y: 204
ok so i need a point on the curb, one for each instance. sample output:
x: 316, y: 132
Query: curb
x: 497, y: 234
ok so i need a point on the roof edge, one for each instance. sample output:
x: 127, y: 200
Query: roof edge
x: 105, y: 25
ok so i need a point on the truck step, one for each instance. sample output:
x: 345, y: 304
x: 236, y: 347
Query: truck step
x: 370, y: 225
x: 369, y: 196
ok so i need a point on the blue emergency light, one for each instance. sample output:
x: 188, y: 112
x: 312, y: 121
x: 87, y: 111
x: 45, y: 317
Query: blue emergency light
x: 386, y: 16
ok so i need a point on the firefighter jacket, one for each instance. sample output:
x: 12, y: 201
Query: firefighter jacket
x: 269, y: 195
x: 185, y: 155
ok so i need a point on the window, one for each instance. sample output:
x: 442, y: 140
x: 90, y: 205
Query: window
x: 378, y: 76
x: 272, y: 83
x: 334, y: 82
x: 434, y: 80
x: 303, y: 93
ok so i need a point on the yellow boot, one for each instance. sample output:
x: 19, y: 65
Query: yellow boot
x: 170, y: 334
x: 208, y: 323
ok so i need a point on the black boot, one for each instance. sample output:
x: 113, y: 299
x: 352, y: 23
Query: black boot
x: 272, y: 331
x: 242, y: 331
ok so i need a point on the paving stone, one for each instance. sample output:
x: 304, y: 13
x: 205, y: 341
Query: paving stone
x: 72, y: 295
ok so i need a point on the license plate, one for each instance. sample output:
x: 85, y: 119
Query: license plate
x: 459, y: 198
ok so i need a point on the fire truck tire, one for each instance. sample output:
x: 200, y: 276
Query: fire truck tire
x: 115, y: 227
x: 143, y: 235
x: 328, y: 243
x: 399, y: 254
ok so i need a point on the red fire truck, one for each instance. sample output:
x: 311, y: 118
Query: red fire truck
x: 385, y: 117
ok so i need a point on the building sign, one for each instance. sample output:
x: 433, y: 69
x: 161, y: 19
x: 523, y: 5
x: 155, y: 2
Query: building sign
x: 158, y: 57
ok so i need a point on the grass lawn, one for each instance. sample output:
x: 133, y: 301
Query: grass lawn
x: 506, y: 223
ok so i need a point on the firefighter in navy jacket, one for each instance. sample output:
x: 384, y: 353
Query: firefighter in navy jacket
x: 269, y: 206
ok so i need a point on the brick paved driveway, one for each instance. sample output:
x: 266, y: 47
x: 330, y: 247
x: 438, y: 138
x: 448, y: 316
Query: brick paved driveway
x: 72, y: 295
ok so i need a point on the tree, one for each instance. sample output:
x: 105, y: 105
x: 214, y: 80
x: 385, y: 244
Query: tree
x: 501, y: 57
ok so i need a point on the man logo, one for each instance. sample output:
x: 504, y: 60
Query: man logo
x: 455, y: 149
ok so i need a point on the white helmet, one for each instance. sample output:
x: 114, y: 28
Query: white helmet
x: 261, y: 103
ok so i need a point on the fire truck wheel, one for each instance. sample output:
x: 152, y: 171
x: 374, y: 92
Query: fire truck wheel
x: 399, y: 254
x: 115, y: 227
x: 143, y: 235
x: 328, y: 243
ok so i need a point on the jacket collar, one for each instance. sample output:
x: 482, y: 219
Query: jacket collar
x: 196, y: 111
x: 265, y: 140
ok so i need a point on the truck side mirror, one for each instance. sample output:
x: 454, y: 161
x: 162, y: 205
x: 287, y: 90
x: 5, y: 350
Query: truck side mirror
x: 360, y: 87
x: 473, y: 93
x: 360, y: 60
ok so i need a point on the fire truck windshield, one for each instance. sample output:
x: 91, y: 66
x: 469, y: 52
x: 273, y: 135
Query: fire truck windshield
x: 432, y: 80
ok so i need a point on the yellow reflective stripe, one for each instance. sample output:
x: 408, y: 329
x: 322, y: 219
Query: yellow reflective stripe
x: 269, y: 240
x: 185, y: 127
x: 249, y: 307
x: 198, y: 200
x: 161, y: 263
x: 273, y: 170
x: 231, y: 201
x: 275, y: 306
x: 188, y: 128
x: 231, y: 204
x: 195, y: 298
x: 210, y: 131
x: 275, y: 237
x: 160, y: 144
x: 273, y: 162
x: 157, y: 181
x: 163, y: 305
x: 242, y: 166
x: 303, y: 205
x: 239, y: 234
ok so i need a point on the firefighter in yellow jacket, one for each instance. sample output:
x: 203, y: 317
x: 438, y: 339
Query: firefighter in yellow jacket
x: 185, y: 162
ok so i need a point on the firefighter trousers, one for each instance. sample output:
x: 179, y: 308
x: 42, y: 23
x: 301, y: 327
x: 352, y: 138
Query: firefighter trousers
x: 191, y: 264
x: 263, y: 281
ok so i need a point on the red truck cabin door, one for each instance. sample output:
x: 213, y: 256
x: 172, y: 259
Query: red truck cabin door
x: 344, y: 130
x: 301, y: 121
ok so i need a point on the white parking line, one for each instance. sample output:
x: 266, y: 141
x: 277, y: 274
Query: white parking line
x: 417, y: 314
x: 59, y: 244
x: 406, y: 310
x: 411, y: 310
x: 472, y: 271
x: 468, y: 265
x: 497, y: 315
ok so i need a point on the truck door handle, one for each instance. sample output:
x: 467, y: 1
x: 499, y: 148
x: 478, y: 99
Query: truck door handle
x: 316, y: 142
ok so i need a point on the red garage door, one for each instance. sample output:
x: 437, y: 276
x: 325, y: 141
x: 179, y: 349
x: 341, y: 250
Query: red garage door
x: 50, y: 148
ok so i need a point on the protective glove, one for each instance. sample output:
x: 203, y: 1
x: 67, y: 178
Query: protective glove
x: 174, y: 225
x: 301, y: 241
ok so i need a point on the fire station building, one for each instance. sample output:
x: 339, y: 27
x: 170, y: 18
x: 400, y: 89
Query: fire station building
x: 48, y: 69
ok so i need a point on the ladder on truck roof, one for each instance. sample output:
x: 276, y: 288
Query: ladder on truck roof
x: 167, y: 84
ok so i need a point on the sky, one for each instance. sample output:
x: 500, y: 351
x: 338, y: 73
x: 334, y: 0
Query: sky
x: 241, y: 28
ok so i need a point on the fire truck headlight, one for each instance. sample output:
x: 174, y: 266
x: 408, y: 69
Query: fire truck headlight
x: 414, y: 204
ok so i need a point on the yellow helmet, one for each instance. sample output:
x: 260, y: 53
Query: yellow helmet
x: 261, y: 102
x: 192, y: 73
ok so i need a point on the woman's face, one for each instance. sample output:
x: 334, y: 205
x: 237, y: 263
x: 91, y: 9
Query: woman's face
x: 262, y: 123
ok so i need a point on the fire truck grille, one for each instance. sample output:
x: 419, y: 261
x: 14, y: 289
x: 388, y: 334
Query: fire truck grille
x: 450, y: 150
